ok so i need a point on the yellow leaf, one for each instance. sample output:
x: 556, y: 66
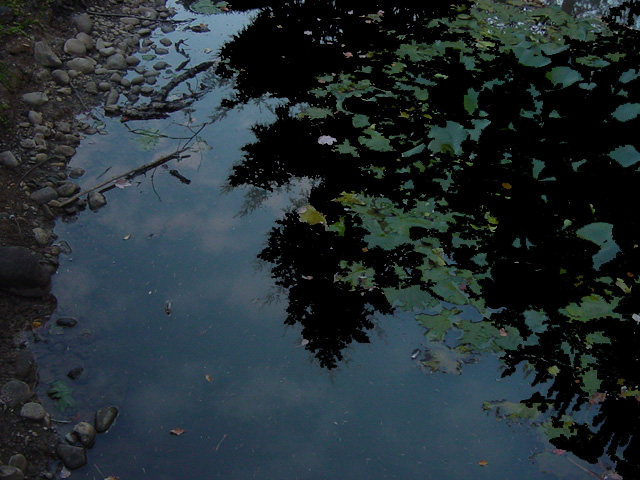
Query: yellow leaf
x: 483, y: 463
x: 208, y: 378
x: 177, y: 431
x: 310, y: 215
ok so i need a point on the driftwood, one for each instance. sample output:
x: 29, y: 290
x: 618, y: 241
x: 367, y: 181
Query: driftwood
x: 158, y: 106
x: 130, y: 174
x: 123, y: 15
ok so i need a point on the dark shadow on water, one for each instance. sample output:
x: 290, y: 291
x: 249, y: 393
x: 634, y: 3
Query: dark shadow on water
x: 530, y: 178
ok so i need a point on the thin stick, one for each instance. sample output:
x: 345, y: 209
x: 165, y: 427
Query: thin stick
x: 585, y: 469
x: 122, y: 15
x: 220, y: 442
x: 136, y: 171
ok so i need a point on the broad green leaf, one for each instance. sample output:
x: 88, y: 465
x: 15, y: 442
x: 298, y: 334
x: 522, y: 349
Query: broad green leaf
x: 347, y: 149
x: 448, y: 138
x: 414, y: 151
x: 308, y: 214
x: 513, y: 411
x: 590, y: 308
x: 471, y: 101
x: 410, y: 298
x: 600, y: 233
x: 315, y: 113
x: 61, y: 393
x: 375, y: 141
x: 563, y: 76
x: 625, y: 155
x: 207, y: 7
x: 439, y: 324
x: 627, y: 111
x: 360, y: 121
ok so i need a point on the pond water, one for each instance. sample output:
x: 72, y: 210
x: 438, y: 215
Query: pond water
x: 236, y: 308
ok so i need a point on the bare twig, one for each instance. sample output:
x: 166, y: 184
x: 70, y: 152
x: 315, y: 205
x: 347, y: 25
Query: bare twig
x: 585, y: 469
x: 122, y: 15
x: 131, y: 173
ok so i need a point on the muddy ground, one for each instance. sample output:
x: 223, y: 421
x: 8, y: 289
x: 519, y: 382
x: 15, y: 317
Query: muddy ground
x: 20, y: 317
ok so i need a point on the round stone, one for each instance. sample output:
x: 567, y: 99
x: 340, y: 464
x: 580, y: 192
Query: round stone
x: 8, y: 472
x: 86, y: 434
x: 87, y: 40
x: 15, y: 392
x: 66, y: 322
x: 96, y: 200
x: 19, y: 461
x: 83, y: 65
x: 116, y: 62
x: 33, y: 411
x: 8, y: 159
x: 60, y: 77
x: 75, y: 47
x: 72, y: 457
x: 105, y: 418
x: 35, y: 99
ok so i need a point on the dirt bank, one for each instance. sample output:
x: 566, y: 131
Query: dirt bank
x: 37, y: 139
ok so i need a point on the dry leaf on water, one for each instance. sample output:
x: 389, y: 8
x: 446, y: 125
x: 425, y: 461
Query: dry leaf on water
x: 208, y: 378
x: 483, y: 463
x: 177, y: 431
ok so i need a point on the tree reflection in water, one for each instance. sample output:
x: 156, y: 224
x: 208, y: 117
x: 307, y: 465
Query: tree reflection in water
x: 486, y: 157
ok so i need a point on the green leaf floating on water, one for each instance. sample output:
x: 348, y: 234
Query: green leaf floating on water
x: 627, y: 111
x: 601, y: 234
x: 591, y: 308
x: 563, y: 76
x: 375, y: 141
x: 207, y: 7
x: 625, y: 155
x: 448, y: 138
x: 439, y: 324
x: 308, y: 214
x: 62, y: 394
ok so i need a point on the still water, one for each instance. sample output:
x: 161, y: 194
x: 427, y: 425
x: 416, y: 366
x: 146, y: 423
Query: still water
x: 180, y: 327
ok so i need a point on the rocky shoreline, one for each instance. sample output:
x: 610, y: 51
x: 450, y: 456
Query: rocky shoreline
x: 87, y: 59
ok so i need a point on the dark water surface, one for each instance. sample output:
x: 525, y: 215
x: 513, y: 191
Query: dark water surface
x: 182, y: 327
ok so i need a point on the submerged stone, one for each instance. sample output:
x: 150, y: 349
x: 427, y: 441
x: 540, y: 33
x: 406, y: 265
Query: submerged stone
x: 105, y: 418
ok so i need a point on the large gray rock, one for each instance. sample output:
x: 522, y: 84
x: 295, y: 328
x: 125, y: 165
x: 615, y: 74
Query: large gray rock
x: 21, y: 272
x: 75, y: 47
x: 82, y: 65
x: 33, y: 411
x: 86, y: 433
x: 8, y: 159
x: 60, y: 77
x: 87, y: 40
x: 83, y: 22
x: 35, y: 99
x: 105, y: 418
x: 15, y: 392
x: 116, y: 62
x: 96, y: 200
x: 72, y: 457
x: 45, y: 56
x: 7, y: 472
x: 19, y: 461
x: 44, y: 195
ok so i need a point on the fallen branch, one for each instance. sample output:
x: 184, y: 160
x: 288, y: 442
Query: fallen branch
x: 123, y: 15
x: 130, y: 174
